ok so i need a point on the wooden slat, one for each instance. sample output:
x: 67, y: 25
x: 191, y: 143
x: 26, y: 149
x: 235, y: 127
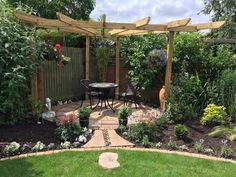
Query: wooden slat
x: 132, y: 32
x: 184, y: 29
x: 87, y: 55
x: 210, y: 25
x: 178, y: 23
x: 117, y: 64
x: 68, y: 20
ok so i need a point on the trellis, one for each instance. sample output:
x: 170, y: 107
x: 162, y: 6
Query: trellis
x: 117, y: 30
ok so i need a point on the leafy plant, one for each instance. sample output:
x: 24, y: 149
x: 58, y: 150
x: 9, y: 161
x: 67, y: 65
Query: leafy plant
x: 38, y: 146
x: 183, y: 147
x: 145, y: 141
x: 66, y: 144
x: 124, y: 112
x: 171, y: 144
x: 181, y: 131
x: 84, y: 114
x: 208, y: 151
x: 69, y: 128
x: 223, y: 130
x: 162, y: 121
x: 121, y: 129
x: 225, y: 150
x: 198, y: 146
x: 37, y: 106
x: 213, y: 114
x: 12, y: 147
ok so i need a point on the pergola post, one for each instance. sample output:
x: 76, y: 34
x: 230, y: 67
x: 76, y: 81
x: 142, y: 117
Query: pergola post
x: 87, y: 56
x: 117, y: 80
x: 170, y: 49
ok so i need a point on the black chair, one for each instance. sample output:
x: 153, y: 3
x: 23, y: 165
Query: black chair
x: 131, y: 93
x: 88, y: 91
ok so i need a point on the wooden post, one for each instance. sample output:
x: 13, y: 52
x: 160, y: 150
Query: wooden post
x: 87, y: 57
x: 117, y: 64
x: 170, y: 49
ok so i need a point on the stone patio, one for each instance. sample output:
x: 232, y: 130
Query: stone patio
x: 107, y: 119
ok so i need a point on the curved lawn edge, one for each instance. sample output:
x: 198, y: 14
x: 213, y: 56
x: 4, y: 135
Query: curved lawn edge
x: 188, y: 154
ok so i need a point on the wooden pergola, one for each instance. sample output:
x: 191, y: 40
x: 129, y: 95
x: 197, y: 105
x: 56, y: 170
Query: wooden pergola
x: 117, y: 30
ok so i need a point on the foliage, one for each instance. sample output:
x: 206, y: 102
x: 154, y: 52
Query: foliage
x: 38, y: 146
x: 208, y: 151
x: 12, y: 147
x: 121, y: 129
x: 222, y: 10
x: 124, y: 112
x: 181, y: 131
x: 171, y: 144
x: 183, y: 147
x: 66, y: 144
x: 69, y: 128
x: 135, y: 51
x: 213, y: 114
x: 145, y: 141
x: 232, y: 111
x: 37, y: 106
x: 162, y: 121
x: 21, y: 52
x: 225, y: 150
x: 78, y: 9
x: 198, y: 146
x: 139, y: 130
x: 84, y: 112
x: 224, y: 130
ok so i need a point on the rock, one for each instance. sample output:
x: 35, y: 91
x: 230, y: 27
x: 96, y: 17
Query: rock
x: 108, y: 160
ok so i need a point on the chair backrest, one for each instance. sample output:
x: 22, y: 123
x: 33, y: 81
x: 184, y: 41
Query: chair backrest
x: 132, y: 87
x: 85, y: 84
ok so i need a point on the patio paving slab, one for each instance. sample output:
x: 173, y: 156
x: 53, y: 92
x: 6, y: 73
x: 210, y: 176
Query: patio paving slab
x: 117, y: 141
x: 97, y: 140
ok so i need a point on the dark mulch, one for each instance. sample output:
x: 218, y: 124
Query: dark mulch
x: 28, y: 132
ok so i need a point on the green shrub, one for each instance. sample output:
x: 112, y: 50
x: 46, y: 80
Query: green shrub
x: 232, y: 111
x: 139, y: 130
x: 198, y: 146
x: 21, y: 53
x: 181, y: 131
x: 121, y: 129
x: 145, y: 141
x: 162, y: 121
x: 213, y: 114
x: 225, y: 150
x: 69, y: 128
x: 229, y: 132
x: 84, y: 112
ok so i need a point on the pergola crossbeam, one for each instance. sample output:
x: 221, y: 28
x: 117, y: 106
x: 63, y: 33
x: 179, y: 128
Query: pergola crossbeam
x: 210, y: 25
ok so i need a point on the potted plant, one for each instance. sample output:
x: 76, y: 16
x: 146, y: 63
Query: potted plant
x: 123, y: 115
x: 84, y: 114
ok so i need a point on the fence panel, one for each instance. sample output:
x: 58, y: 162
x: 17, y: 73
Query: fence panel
x: 63, y: 83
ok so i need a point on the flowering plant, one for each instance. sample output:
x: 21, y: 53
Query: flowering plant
x: 60, y: 58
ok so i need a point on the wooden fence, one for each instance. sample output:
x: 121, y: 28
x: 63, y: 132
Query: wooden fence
x: 63, y: 83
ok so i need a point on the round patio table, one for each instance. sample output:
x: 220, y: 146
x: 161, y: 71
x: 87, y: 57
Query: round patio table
x: 104, y: 90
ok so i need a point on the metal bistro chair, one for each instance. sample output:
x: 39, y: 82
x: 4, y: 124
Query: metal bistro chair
x: 131, y: 93
x: 87, y: 90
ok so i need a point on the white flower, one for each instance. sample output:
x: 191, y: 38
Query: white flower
x: 159, y: 144
x: 38, y: 146
x: 66, y: 144
x: 82, y: 139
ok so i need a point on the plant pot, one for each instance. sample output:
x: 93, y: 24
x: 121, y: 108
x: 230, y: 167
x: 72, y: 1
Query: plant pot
x: 123, y: 122
x: 84, y: 122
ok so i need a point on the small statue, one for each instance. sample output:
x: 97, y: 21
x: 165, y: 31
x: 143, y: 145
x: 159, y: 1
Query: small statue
x: 49, y: 115
x: 48, y: 104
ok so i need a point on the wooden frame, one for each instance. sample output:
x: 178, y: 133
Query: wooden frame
x: 139, y: 27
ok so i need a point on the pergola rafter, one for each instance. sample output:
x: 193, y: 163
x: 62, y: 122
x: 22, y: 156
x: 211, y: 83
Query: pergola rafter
x: 139, y: 27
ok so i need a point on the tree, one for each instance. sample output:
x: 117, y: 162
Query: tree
x: 77, y: 9
x: 222, y: 10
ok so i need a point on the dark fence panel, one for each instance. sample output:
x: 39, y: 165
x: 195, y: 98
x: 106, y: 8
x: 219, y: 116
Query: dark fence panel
x: 63, y: 83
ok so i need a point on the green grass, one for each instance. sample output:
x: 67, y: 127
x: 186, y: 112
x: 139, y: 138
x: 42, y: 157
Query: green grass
x: 133, y: 163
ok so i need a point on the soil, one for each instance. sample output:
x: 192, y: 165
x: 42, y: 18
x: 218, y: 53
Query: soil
x: 28, y: 132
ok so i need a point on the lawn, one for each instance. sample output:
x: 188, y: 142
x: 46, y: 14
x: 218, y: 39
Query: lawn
x: 133, y: 163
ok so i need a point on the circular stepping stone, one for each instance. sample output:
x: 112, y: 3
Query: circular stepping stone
x: 108, y: 160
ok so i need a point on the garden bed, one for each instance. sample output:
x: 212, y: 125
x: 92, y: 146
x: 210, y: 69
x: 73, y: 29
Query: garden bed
x: 30, y: 133
x: 196, y: 131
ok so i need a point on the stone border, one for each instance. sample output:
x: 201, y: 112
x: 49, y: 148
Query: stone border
x: 187, y: 154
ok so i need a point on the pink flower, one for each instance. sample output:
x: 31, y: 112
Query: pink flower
x: 68, y: 119
x: 58, y: 46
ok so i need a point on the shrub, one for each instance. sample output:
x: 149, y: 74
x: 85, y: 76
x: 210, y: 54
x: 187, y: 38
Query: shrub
x: 66, y: 144
x: 162, y: 121
x: 225, y: 150
x: 171, y: 144
x: 181, y: 131
x: 121, y: 129
x: 124, y: 112
x: 198, y: 146
x: 139, y: 130
x: 69, y: 128
x: 229, y: 132
x: 232, y: 111
x: 213, y: 114
x: 12, y: 147
x: 183, y: 147
x: 21, y: 53
x: 208, y: 151
x: 145, y: 141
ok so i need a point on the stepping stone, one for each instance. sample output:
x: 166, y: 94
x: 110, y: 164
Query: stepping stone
x: 108, y: 160
x: 117, y: 141
x: 97, y: 140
